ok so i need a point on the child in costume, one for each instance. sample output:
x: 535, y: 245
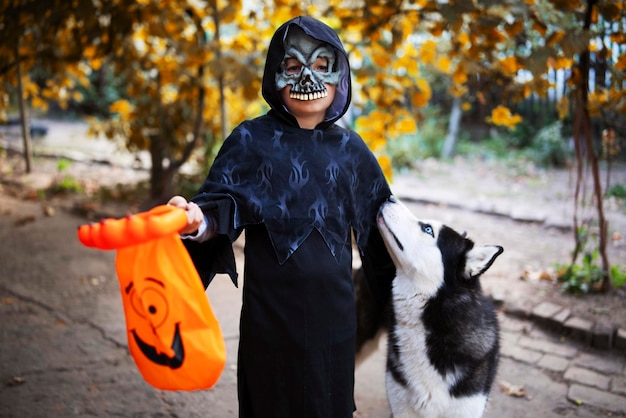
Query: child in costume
x: 300, y: 186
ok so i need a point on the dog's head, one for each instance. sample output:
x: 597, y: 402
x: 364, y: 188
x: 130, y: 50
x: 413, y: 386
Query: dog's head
x: 430, y: 252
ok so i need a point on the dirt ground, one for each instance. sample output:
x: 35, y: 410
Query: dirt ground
x: 533, y: 243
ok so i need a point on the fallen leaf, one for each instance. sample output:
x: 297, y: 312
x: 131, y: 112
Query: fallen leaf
x: 16, y: 380
x: 23, y: 220
x: 48, y: 210
x: 512, y: 390
x: 7, y: 301
x: 538, y: 275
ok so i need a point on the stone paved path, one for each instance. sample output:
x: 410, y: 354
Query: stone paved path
x: 62, y: 335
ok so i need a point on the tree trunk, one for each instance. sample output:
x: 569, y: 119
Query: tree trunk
x: 161, y: 176
x: 453, y: 129
x: 584, y: 140
x: 28, y: 153
x: 580, y: 164
x: 220, y: 77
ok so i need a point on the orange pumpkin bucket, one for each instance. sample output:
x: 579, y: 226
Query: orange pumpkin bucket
x: 173, y: 335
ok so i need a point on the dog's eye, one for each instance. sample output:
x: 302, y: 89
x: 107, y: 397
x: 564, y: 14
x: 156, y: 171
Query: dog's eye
x: 427, y: 229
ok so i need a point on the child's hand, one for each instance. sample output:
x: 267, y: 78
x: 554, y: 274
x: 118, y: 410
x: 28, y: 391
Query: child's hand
x: 194, y: 214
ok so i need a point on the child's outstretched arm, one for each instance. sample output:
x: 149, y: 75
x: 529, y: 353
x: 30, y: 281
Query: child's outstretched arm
x: 199, y: 226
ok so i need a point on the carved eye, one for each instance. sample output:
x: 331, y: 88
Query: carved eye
x: 426, y: 228
x: 151, y: 304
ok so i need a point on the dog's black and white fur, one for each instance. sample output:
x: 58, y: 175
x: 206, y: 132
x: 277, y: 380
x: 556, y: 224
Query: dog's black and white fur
x: 443, y: 335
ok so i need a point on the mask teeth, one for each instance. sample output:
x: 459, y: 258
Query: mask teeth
x: 309, y: 96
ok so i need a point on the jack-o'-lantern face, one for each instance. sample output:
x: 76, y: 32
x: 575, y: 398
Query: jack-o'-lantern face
x: 172, y: 332
x: 151, y: 304
x: 173, y: 335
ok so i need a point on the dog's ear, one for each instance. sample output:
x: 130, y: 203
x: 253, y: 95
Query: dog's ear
x: 479, y: 259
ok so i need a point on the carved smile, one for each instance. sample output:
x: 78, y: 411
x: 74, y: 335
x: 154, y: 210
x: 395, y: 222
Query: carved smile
x: 151, y: 353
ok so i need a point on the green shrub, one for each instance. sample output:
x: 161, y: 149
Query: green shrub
x: 406, y: 150
x: 618, y: 276
x: 65, y: 183
x: 490, y: 148
x: 582, y: 278
x: 548, y: 147
x: 617, y: 190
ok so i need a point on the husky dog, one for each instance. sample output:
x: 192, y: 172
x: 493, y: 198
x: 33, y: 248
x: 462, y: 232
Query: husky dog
x: 443, y: 334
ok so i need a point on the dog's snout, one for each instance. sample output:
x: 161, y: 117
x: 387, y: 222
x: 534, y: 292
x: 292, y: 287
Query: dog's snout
x: 390, y: 200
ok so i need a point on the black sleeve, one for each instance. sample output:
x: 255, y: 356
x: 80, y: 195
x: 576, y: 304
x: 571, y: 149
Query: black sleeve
x: 215, y: 255
x: 378, y: 267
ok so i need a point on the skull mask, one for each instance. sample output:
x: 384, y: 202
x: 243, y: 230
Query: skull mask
x: 306, y: 81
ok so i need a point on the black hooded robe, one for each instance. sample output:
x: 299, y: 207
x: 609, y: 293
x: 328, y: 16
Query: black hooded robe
x: 299, y: 194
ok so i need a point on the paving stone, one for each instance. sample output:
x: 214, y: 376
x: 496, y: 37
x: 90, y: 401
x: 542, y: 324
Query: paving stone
x: 562, y: 350
x: 618, y: 385
x: 547, y: 309
x: 509, y: 323
x: 605, y: 364
x: 554, y: 363
x: 587, y: 377
x: 579, y: 328
x: 598, y: 398
x: 544, y: 313
x: 508, y: 338
x: 603, y: 333
x: 541, y: 333
x: 620, y: 338
x: 521, y: 354
x: 563, y: 316
x: 517, y: 308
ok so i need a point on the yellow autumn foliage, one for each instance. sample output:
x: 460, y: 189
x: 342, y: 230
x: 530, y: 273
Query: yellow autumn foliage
x: 377, y: 126
x: 428, y: 52
x: 39, y: 103
x: 509, y: 66
x: 502, y: 116
x: 386, y: 165
x: 443, y: 64
x: 381, y: 60
x: 560, y: 63
x: 421, y: 94
x: 515, y: 28
x: 621, y: 62
x: 463, y: 39
x: 406, y: 125
x: 459, y: 76
x: 122, y: 107
x: 539, y: 27
x: 597, y: 101
x: 389, y: 44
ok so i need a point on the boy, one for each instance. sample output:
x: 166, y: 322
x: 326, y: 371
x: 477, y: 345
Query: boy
x: 299, y: 185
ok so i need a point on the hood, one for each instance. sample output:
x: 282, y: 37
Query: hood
x: 275, y: 53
